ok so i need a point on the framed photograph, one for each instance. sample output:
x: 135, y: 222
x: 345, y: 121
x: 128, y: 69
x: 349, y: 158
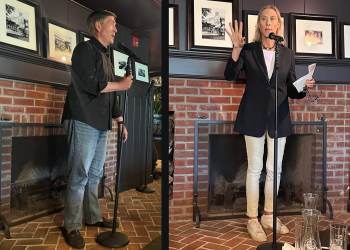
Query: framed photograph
x: 141, y: 72
x: 313, y: 35
x: 60, y: 42
x: 19, y: 25
x: 119, y: 60
x: 173, y: 26
x: 206, y: 24
x: 345, y: 40
x: 250, y: 18
x: 83, y: 36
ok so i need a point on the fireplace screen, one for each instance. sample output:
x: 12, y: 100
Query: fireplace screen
x: 33, y: 169
x: 221, y: 165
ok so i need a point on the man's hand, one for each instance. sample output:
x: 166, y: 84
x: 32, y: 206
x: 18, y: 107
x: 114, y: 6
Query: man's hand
x: 125, y: 131
x: 125, y: 134
x: 126, y: 82
x: 123, y: 84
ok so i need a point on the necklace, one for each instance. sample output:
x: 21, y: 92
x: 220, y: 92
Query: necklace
x: 268, y: 48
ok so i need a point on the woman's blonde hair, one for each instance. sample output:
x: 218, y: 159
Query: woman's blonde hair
x: 257, y: 37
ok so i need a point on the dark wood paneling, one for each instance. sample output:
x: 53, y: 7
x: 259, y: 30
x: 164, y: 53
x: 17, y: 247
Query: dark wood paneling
x: 322, y: 7
x: 343, y: 8
x: 290, y: 6
x: 77, y: 16
x: 213, y: 69
x: 38, y: 68
x: 327, y: 74
x: 56, y: 10
x: 254, y: 4
x: 183, y: 63
x: 14, y: 69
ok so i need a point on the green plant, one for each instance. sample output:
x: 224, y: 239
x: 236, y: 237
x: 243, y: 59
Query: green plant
x: 157, y: 101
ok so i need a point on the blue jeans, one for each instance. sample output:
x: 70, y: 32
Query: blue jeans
x: 86, y: 157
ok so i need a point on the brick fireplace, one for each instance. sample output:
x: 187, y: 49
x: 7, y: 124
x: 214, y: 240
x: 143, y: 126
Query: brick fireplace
x: 24, y: 102
x: 219, y: 100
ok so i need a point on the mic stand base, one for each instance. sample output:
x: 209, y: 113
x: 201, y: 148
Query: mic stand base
x: 269, y: 246
x: 112, y: 239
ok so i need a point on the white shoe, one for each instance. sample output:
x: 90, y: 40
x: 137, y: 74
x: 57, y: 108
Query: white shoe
x: 267, y: 221
x: 256, y: 231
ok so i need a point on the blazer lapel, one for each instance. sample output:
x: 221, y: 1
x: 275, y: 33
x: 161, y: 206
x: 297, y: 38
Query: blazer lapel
x: 259, y: 57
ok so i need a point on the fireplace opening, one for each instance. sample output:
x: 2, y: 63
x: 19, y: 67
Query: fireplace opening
x: 38, y: 174
x: 220, y: 165
x: 228, y: 167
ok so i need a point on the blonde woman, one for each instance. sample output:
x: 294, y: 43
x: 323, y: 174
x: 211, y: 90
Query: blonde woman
x: 255, y: 118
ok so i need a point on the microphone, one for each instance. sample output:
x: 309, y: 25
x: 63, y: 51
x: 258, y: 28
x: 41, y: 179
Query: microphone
x: 150, y: 87
x: 128, y: 68
x: 273, y: 36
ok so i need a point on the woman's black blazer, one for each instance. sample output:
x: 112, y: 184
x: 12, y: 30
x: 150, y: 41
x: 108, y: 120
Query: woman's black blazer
x: 256, y: 112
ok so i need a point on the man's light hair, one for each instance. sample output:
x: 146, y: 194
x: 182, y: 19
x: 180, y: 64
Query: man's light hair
x: 97, y: 16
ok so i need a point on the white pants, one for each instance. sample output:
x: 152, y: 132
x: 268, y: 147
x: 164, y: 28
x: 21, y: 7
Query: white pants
x: 255, y: 153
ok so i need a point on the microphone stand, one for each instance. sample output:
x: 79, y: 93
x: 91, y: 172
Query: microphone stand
x: 144, y: 188
x: 274, y: 245
x: 116, y: 239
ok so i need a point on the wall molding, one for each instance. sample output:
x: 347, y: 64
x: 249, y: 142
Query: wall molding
x: 33, y: 59
x: 189, y: 54
x: 242, y: 80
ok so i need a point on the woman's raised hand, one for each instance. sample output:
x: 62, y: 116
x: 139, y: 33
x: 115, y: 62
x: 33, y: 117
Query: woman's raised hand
x: 235, y: 34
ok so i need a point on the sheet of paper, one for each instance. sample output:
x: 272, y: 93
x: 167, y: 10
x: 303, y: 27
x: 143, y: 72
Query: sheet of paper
x: 300, y: 83
x: 287, y: 246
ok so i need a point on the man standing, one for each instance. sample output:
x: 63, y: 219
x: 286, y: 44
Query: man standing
x: 90, y: 105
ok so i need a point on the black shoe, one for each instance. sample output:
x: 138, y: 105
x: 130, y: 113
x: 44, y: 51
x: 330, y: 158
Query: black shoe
x: 73, y: 238
x: 108, y: 223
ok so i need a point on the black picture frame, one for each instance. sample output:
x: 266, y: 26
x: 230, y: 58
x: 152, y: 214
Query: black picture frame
x: 344, y: 40
x: 141, y: 72
x: 201, y: 44
x: 10, y: 43
x: 174, y: 26
x: 119, y: 61
x: 50, y: 53
x: 254, y: 13
x: 313, y: 36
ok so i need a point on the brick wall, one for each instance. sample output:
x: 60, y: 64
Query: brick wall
x: 29, y: 102
x: 24, y: 102
x: 219, y: 100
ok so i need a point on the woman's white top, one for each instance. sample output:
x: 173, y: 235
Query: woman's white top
x: 269, y: 56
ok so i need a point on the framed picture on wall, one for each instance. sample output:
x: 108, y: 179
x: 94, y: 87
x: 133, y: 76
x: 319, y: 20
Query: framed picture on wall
x: 250, y: 18
x: 207, y: 23
x: 60, y: 42
x: 19, y: 25
x: 313, y: 35
x: 345, y: 40
x: 173, y: 26
x: 120, y: 60
x: 141, y: 72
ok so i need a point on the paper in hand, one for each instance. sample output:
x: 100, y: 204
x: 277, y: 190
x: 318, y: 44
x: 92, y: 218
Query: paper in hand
x: 300, y: 83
